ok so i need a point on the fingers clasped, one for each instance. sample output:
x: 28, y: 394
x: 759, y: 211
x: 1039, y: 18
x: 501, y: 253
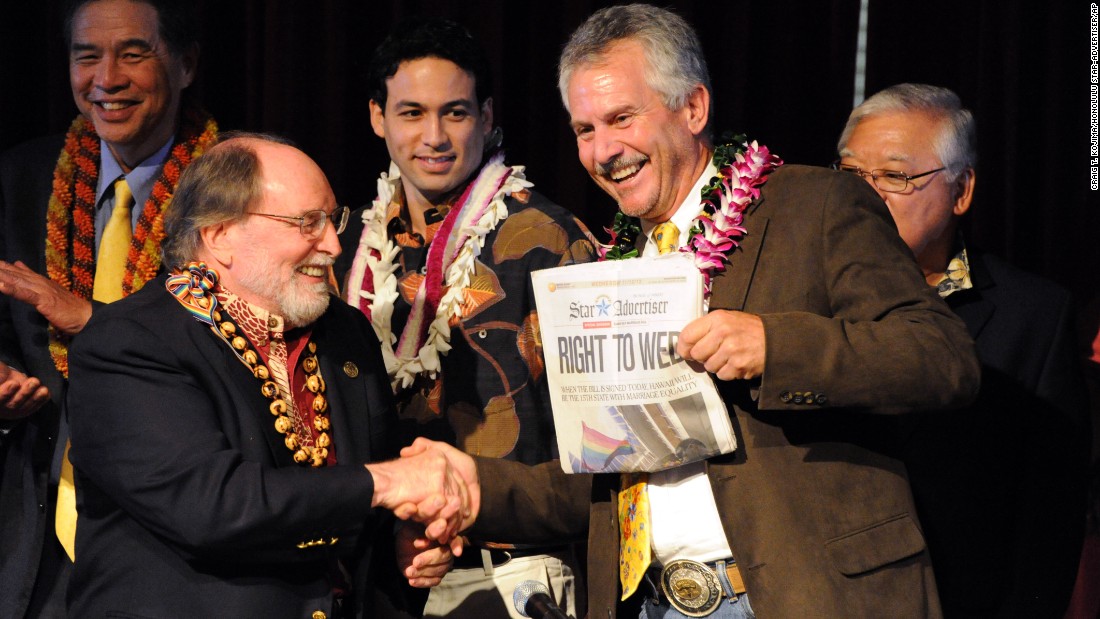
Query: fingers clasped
x: 433, y: 484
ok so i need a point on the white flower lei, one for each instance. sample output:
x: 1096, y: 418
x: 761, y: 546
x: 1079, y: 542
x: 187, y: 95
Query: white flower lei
x: 383, y: 266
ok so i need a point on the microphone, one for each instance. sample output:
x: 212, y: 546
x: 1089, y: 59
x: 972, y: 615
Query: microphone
x: 532, y: 599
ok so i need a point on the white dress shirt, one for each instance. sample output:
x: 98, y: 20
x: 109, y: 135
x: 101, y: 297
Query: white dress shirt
x: 683, y: 516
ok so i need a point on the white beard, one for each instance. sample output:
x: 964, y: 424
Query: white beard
x: 299, y: 304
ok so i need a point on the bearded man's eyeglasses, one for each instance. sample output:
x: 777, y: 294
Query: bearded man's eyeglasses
x: 312, y: 223
x: 890, y: 181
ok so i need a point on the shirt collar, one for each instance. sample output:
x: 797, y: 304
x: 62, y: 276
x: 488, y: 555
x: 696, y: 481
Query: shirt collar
x: 258, y: 324
x: 140, y: 179
x: 686, y: 213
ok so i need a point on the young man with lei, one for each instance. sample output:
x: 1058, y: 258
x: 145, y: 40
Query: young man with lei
x: 66, y: 242
x: 441, y: 263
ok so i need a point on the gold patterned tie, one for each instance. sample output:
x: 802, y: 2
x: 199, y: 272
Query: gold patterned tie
x: 634, y: 550
x: 114, y: 247
x: 667, y: 237
x: 635, y: 554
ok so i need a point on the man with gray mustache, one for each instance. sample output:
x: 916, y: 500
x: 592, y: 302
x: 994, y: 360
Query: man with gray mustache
x: 820, y: 331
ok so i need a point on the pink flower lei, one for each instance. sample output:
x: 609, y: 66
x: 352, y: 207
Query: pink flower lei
x: 743, y: 168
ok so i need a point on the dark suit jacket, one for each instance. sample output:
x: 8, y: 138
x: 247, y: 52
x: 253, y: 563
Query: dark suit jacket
x: 1001, y: 488
x: 815, y: 505
x: 190, y: 504
x: 27, y: 449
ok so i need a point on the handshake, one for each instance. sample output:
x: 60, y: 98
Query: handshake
x: 436, y: 486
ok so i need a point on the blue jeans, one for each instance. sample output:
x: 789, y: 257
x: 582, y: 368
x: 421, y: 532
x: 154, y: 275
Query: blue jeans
x: 728, y: 609
x: 659, y: 608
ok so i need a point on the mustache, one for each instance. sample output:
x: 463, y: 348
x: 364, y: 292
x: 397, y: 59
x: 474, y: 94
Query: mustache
x: 619, y: 163
x: 320, y: 260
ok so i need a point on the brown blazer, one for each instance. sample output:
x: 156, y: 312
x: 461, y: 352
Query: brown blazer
x: 814, y: 502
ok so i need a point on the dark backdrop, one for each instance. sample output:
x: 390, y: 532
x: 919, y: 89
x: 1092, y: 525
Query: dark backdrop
x: 782, y: 72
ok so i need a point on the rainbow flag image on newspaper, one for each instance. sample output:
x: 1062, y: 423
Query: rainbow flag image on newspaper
x: 599, y: 450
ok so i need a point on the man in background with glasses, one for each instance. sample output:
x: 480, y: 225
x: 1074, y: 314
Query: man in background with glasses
x: 999, y: 487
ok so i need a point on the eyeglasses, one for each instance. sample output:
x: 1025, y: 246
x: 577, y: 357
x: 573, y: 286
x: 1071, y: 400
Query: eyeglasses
x: 312, y: 223
x: 890, y: 181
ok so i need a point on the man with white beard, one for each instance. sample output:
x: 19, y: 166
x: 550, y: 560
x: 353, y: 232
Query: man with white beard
x: 227, y: 419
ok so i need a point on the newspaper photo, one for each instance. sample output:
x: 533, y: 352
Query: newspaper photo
x: 623, y: 400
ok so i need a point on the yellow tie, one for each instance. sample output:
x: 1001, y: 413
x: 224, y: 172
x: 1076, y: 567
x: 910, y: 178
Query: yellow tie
x: 667, y: 237
x: 114, y: 247
x: 65, y: 518
x: 107, y: 287
x: 634, y: 551
x: 635, y: 554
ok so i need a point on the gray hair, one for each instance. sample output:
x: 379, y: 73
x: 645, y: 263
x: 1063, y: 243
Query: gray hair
x: 673, y: 55
x: 217, y: 187
x: 956, y: 144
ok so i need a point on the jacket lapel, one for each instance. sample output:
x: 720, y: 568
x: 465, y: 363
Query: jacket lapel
x: 730, y: 288
x: 243, y: 389
x: 349, y: 411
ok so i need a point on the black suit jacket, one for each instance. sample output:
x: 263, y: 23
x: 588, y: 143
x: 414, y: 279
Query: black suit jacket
x: 27, y: 448
x: 190, y: 503
x: 1000, y: 487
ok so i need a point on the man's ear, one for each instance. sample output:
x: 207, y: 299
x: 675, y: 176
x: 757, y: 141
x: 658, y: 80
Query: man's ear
x: 377, y: 115
x: 964, y: 192
x: 217, y: 241
x: 189, y: 64
x: 697, y: 109
x: 487, y: 117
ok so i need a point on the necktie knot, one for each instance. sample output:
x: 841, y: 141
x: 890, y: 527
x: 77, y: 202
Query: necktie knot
x: 123, y: 197
x: 114, y: 247
x: 667, y: 237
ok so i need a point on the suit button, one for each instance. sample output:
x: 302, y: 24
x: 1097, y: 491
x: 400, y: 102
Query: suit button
x: 810, y: 397
x: 797, y: 399
x: 785, y: 397
x: 318, y: 614
x: 821, y: 399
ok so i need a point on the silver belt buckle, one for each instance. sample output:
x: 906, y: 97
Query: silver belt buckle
x: 691, y: 587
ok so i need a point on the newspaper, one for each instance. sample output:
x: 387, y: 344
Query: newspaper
x: 623, y: 400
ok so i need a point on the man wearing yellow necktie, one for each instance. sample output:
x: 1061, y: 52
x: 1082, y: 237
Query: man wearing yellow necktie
x: 820, y: 328
x: 127, y: 76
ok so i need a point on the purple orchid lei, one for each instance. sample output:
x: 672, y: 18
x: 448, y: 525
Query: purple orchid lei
x: 743, y: 168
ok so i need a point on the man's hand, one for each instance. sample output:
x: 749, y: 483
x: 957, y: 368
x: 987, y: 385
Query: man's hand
x: 426, y: 488
x: 61, y: 308
x: 20, y: 395
x: 729, y: 344
x: 423, y: 561
x: 462, y: 464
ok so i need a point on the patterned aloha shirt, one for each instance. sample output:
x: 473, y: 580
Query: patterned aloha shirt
x: 491, y: 398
